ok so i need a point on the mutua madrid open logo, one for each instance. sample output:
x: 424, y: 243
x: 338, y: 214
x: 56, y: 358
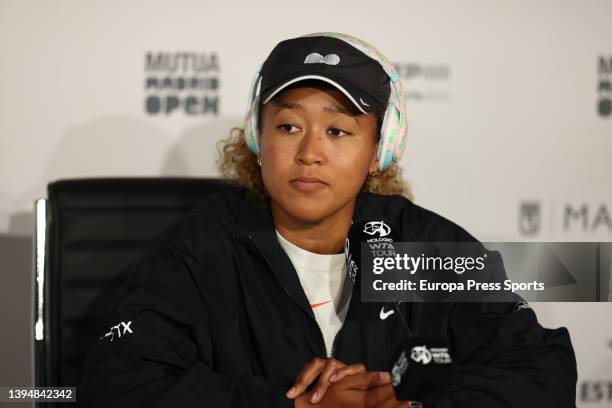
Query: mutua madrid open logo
x: 181, y: 82
x: 426, y: 82
x: 604, y: 86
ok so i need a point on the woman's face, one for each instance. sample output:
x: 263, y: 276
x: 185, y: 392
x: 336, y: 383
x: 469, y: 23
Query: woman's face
x: 316, y: 152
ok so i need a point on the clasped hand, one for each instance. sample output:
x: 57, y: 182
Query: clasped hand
x: 342, y: 385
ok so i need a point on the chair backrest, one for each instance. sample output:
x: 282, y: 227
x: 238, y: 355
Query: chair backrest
x: 96, y: 230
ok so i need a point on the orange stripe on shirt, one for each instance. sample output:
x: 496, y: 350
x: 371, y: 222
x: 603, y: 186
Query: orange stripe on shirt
x: 313, y: 305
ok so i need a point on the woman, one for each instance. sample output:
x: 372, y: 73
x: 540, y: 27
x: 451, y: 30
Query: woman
x: 244, y: 301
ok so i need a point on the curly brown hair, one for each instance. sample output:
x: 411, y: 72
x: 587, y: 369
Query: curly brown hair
x: 238, y: 165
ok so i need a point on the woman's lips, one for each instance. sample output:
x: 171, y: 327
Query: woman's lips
x: 307, y: 183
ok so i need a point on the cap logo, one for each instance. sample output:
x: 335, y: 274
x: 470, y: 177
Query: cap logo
x: 363, y: 102
x: 316, y: 58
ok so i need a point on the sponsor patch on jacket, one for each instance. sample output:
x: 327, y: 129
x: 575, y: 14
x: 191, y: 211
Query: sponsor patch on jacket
x: 425, y: 355
x: 119, y: 330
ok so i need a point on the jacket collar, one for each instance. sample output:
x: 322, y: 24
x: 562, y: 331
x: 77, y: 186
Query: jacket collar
x: 255, y: 223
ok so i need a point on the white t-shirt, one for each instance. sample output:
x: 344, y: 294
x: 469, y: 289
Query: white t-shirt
x: 323, y: 278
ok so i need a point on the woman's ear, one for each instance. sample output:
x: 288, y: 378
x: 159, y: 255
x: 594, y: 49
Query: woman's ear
x: 373, y: 165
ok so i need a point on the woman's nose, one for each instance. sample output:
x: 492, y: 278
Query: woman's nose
x: 311, y: 148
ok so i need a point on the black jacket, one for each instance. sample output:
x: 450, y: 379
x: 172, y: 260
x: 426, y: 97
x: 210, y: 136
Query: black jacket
x: 215, y: 316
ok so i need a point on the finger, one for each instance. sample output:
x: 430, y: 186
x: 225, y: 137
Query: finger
x: 306, y: 377
x: 385, y: 377
x: 366, y: 380
x: 345, y: 371
x: 331, y: 367
x: 380, y: 397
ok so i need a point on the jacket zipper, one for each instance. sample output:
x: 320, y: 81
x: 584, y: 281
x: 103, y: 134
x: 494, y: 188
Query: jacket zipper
x: 333, y: 347
x: 322, y: 338
x: 295, y: 300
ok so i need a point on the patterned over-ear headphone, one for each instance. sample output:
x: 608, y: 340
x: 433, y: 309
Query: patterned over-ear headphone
x: 394, y: 126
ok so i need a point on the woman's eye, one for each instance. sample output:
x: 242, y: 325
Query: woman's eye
x: 286, y: 127
x: 289, y: 128
x: 337, y: 132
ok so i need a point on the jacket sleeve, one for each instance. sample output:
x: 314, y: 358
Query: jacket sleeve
x: 502, y: 357
x: 158, y: 347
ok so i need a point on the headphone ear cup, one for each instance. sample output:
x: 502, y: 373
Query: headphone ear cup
x: 388, y: 138
x: 250, y: 126
x: 250, y: 120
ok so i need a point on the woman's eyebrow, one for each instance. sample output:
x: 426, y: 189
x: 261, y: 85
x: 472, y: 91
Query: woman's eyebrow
x: 329, y: 108
x: 285, y: 105
x: 339, y: 109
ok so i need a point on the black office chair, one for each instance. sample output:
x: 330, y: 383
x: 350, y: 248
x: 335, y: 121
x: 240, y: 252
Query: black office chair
x: 89, y: 232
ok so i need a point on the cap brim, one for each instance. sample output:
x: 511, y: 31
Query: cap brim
x: 343, y: 87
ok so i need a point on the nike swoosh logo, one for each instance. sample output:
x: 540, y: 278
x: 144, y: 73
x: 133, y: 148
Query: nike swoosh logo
x: 384, y: 315
x: 313, y: 305
x: 363, y: 102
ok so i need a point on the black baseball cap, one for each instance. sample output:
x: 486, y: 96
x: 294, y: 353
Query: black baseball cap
x: 359, y: 77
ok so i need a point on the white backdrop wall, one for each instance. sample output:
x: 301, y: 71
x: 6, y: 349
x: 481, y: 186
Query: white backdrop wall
x: 509, y: 104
